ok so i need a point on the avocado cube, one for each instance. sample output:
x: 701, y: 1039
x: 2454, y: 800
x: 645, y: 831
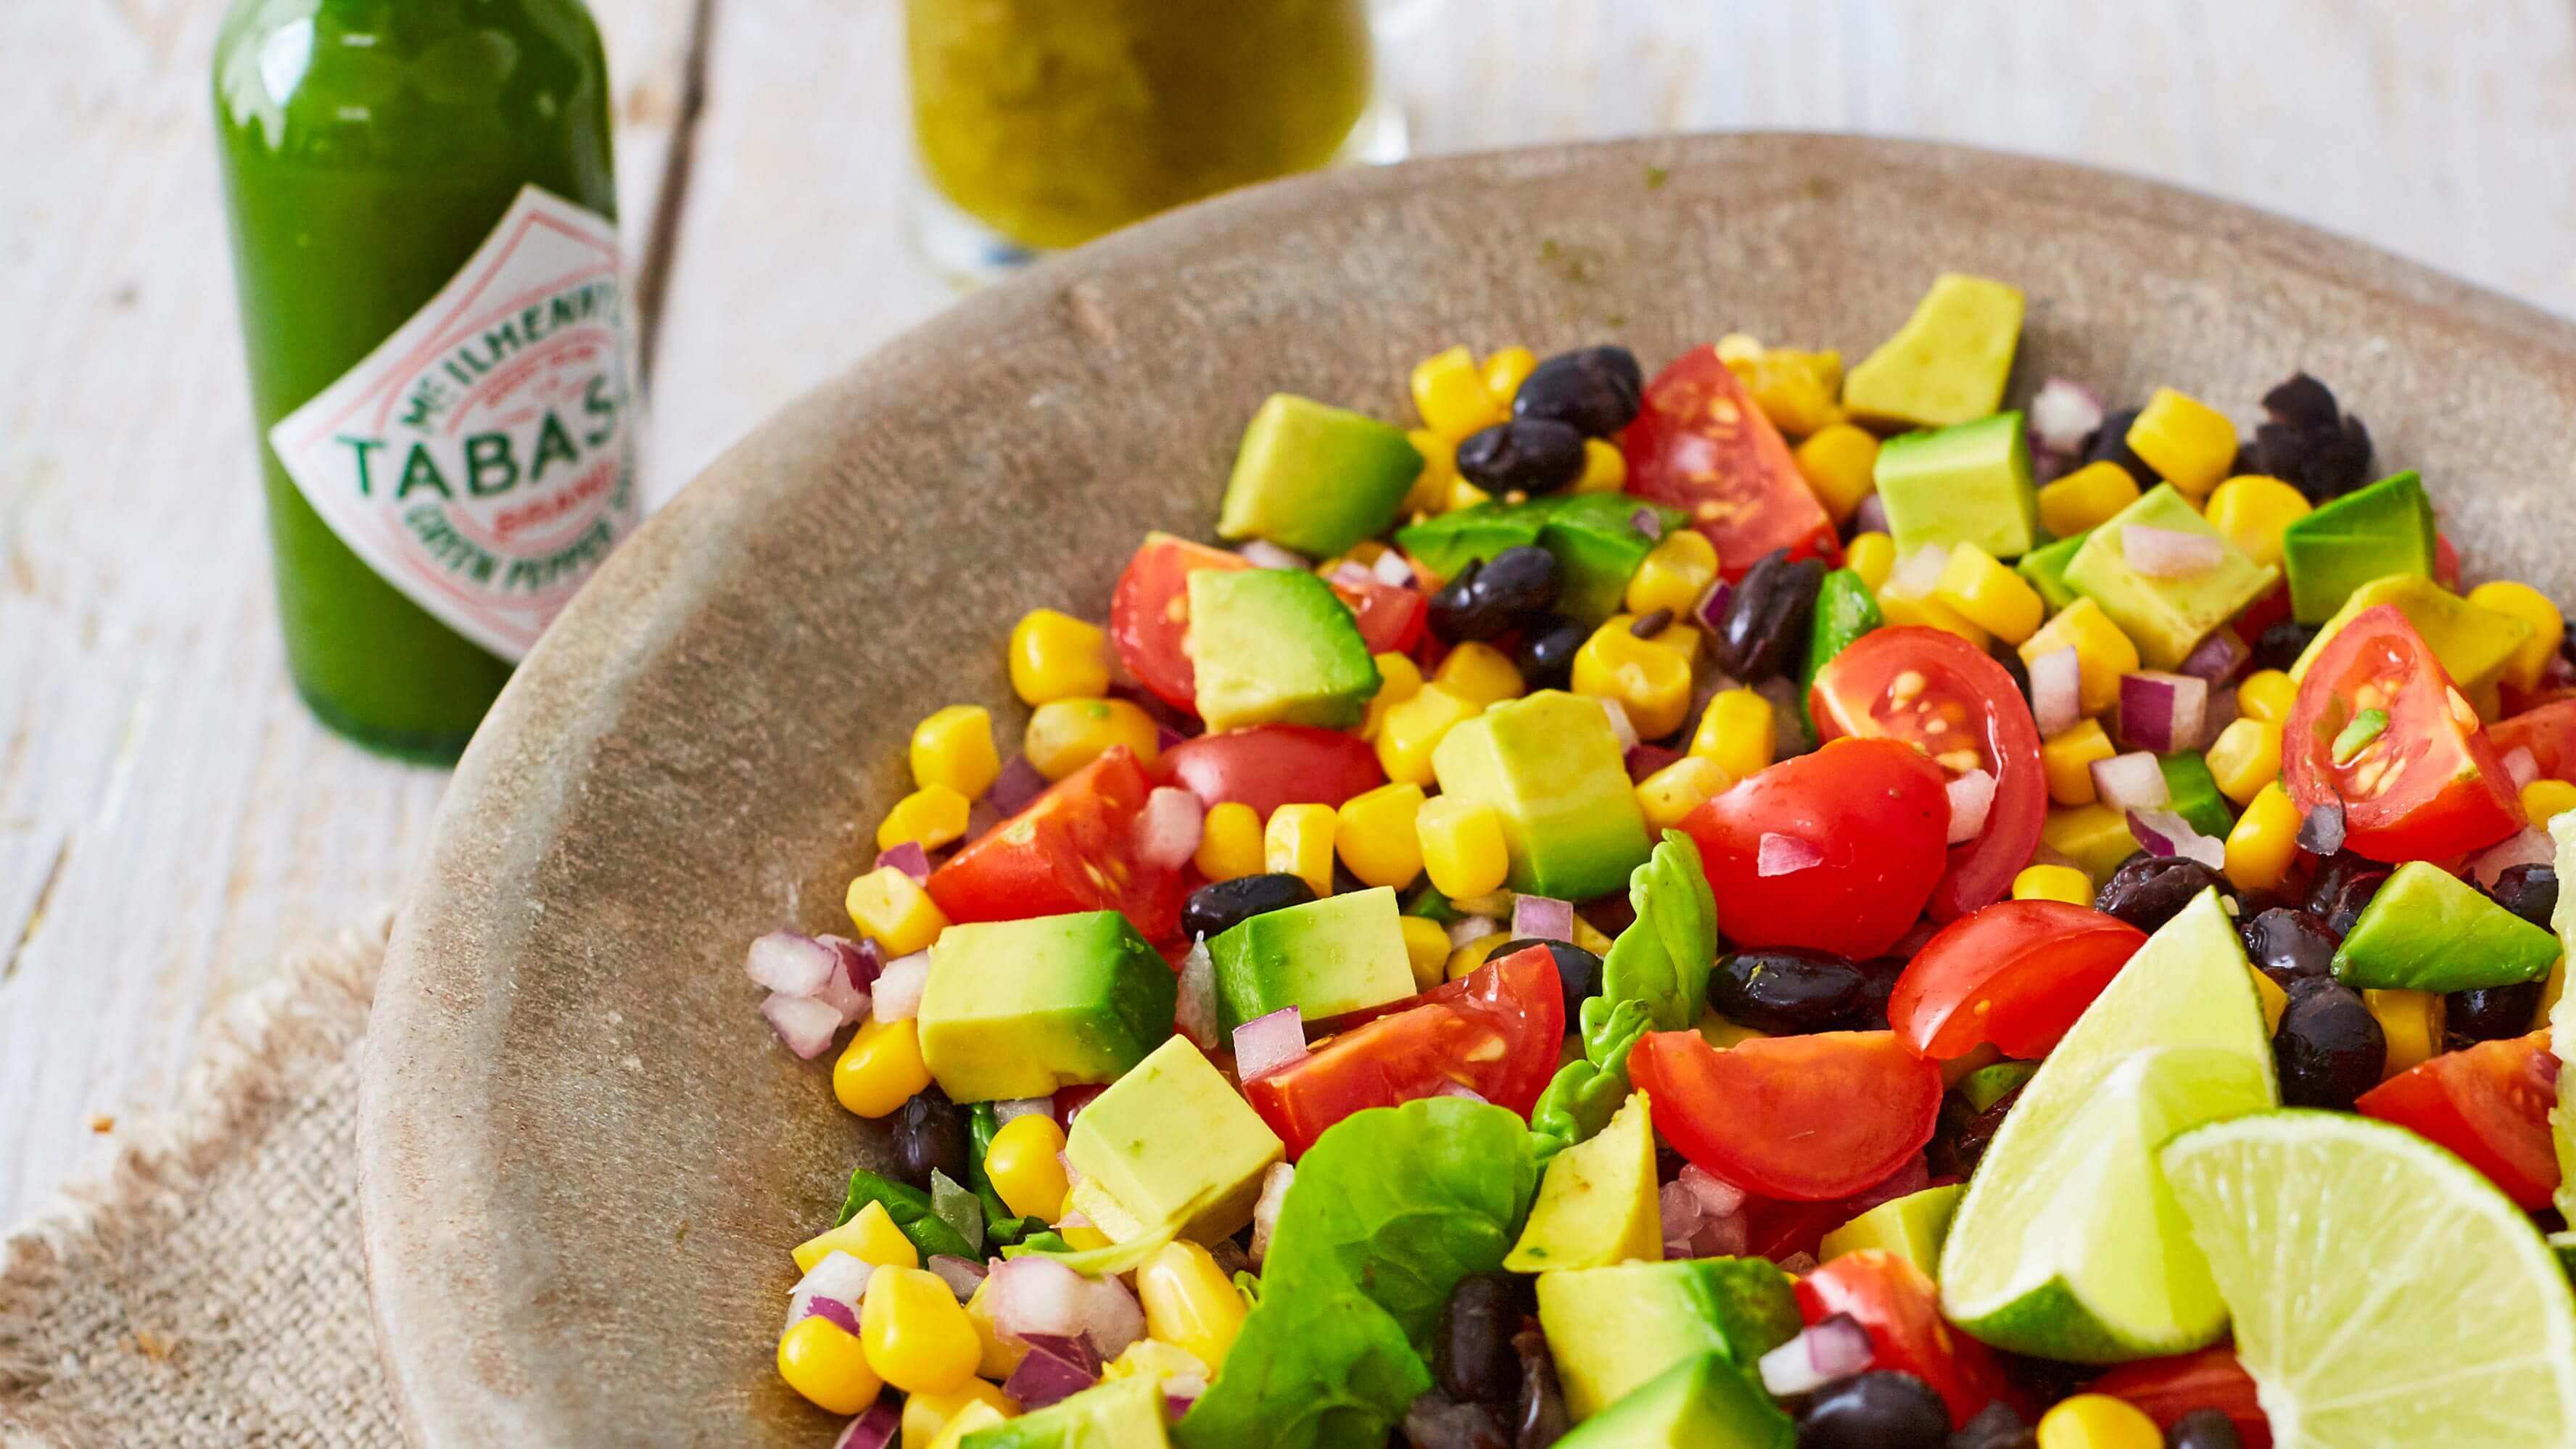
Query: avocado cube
x: 1947, y: 364
x: 1551, y: 767
x: 1326, y: 958
x: 1702, y: 1402
x: 1597, y: 1205
x: 1315, y: 478
x: 1964, y: 484
x: 2045, y: 569
x: 2165, y: 618
x: 1912, y: 1227
x: 1612, y: 1329
x: 1275, y: 646
x: 1448, y: 543
x: 1020, y: 1008
x: 2473, y: 642
x: 2095, y: 837
x: 2370, y: 533
x: 2429, y: 930
x: 1988, y: 1085
x: 2195, y: 793
x: 1597, y: 545
x: 1170, y: 1144
x: 1120, y: 1413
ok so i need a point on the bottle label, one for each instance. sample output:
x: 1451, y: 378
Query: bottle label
x: 482, y: 459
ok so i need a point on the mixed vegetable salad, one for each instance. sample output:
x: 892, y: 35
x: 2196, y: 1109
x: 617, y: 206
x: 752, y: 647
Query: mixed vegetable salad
x: 1757, y: 906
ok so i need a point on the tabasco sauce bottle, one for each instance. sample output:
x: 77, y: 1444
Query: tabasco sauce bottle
x: 424, y: 236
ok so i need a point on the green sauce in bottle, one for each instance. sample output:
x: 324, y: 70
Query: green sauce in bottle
x: 423, y: 215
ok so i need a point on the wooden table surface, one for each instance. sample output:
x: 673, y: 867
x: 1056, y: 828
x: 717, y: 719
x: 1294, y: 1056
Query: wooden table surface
x: 170, y: 819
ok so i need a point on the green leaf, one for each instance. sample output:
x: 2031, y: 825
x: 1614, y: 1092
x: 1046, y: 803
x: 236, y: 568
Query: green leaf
x: 911, y: 1211
x: 953, y: 1204
x: 1664, y: 957
x: 1124, y: 1257
x: 1584, y: 1094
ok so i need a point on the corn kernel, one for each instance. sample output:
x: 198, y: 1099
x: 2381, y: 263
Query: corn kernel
x: 2102, y: 652
x: 2542, y: 799
x: 1679, y: 788
x: 954, y: 747
x: 1430, y: 490
x: 2098, y: 1421
x: 2530, y: 660
x: 1463, y: 494
x: 915, y: 1332
x: 1057, y: 656
x: 2068, y: 759
x: 1229, y: 842
x: 1605, y: 468
x: 2053, y: 883
x: 1000, y: 1357
x: 1462, y: 846
x: 1077, y: 1230
x: 1481, y: 672
x: 930, y: 817
x: 1451, y: 394
x: 819, y: 1359
x: 2252, y: 511
x: 891, y: 909
x: 1154, y: 1359
x: 1736, y: 732
x: 869, y: 1236
x: 1066, y: 734
x: 1723, y: 1032
x: 2412, y: 1022
x: 2550, y: 991
x: 1589, y: 937
x: 1399, y: 679
x: 1415, y: 727
x: 1795, y: 390
x: 1651, y: 678
x: 1737, y: 347
x: 1298, y: 840
x: 1464, y: 961
x: 1873, y: 557
x: 881, y: 1068
x: 1025, y: 1165
x: 2267, y: 695
x: 1190, y: 1303
x: 1505, y: 369
x: 1676, y: 571
x: 924, y: 1415
x: 1374, y: 835
x: 2264, y: 841
x: 1839, y: 463
x: 1992, y: 597
x: 2272, y: 999
x: 2094, y: 837
x: 2245, y: 757
x: 2086, y: 498
x: 973, y: 1416
x: 2189, y: 443
x: 1426, y: 948
x: 1900, y: 611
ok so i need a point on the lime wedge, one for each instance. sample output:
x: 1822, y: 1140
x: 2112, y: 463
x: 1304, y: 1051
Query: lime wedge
x: 2067, y: 1244
x: 2385, y: 1294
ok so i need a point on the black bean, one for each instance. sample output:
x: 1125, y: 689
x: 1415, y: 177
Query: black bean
x: 2330, y: 1049
x: 1578, y: 972
x: 2110, y: 443
x: 1436, y: 1421
x: 1541, y: 1418
x: 1960, y: 1137
x: 1530, y: 455
x: 1475, y: 1360
x: 2280, y: 645
x: 2204, y: 1429
x: 1647, y: 626
x: 1995, y: 1426
x: 1595, y: 390
x: 1489, y: 600
x: 1220, y: 906
x: 930, y: 1135
x: 1548, y: 647
x: 2302, y: 402
x: 2287, y: 944
x: 1882, y: 1409
x: 1763, y: 632
x: 2491, y: 1013
x: 2343, y: 886
x: 2149, y: 890
x: 1787, y: 990
x: 2529, y: 891
x: 1878, y: 983
x: 2010, y: 658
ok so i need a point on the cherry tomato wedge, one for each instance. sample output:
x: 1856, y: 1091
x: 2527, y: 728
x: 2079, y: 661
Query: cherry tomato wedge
x: 1940, y: 692
x: 2165, y: 1389
x: 1836, y: 851
x: 1071, y: 849
x: 2489, y: 1104
x: 1149, y: 614
x: 1700, y: 445
x: 1267, y: 766
x: 2015, y: 974
x: 2548, y: 731
x: 1496, y: 1032
x: 1799, y: 1117
x: 1391, y: 617
x: 2425, y: 784
x: 1887, y: 1295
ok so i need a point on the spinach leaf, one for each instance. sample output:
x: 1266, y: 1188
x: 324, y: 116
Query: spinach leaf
x: 1664, y: 956
x: 1584, y: 1094
x: 910, y: 1209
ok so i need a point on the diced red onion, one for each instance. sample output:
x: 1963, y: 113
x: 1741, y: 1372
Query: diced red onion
x: 1018, y: 1107
x: 2057, y: 692
x: 1167, y: 829
x: 1702, y: 1219
x: 1648, y: 522
x: 2169, y: 553
x: 1268, y: 1044
x: 2321, y: 830
x: 1268, y: 555
x: 804, y: 1024
x: 2047, y: 465
x: 832, y: 1308
x: 1785, y: 855
x: 1871, y: 515
x: 840, y: 1278
x: 1832, y: 1348
x: 2162, y: 832
x: 2520, y: 766
x: 1393, y: 570
x: 1467, y: 929
x: 861, y: 961
x: 1017, y: 785
x: 1036, y: 1294
x: 1459, y: 1090
x: 1918, y: 573
x: 792, y: 964
x: 2162, y: 712
x: 1056, y: 1368
x: 1620, y: 725
x: 878, y: 1428
x: 1195, y: 1014
x: 1352, y: 574
x: 1715, y: 1195
x: 1543, y: 918
x: 1180, y: 1395
x: 897, y: 996
x: 2216, y: 716
x: 962, y: 1275
x: 1971, y: 796
x: 1710, y: 611
x: 2218, y: 657
x: 2133, y: 781
x: 1165, y: 737
x: 1265, y: 1209
x: 2523, y: 847
x: 909, y: 858
x: 2062, y: 412
x: 1645, y: 759
x: 981, y: 816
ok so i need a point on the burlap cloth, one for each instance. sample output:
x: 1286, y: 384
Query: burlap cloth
x: 209, y: 1288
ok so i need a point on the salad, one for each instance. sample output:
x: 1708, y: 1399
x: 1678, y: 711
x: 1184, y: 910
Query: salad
x: 1760, y: 905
